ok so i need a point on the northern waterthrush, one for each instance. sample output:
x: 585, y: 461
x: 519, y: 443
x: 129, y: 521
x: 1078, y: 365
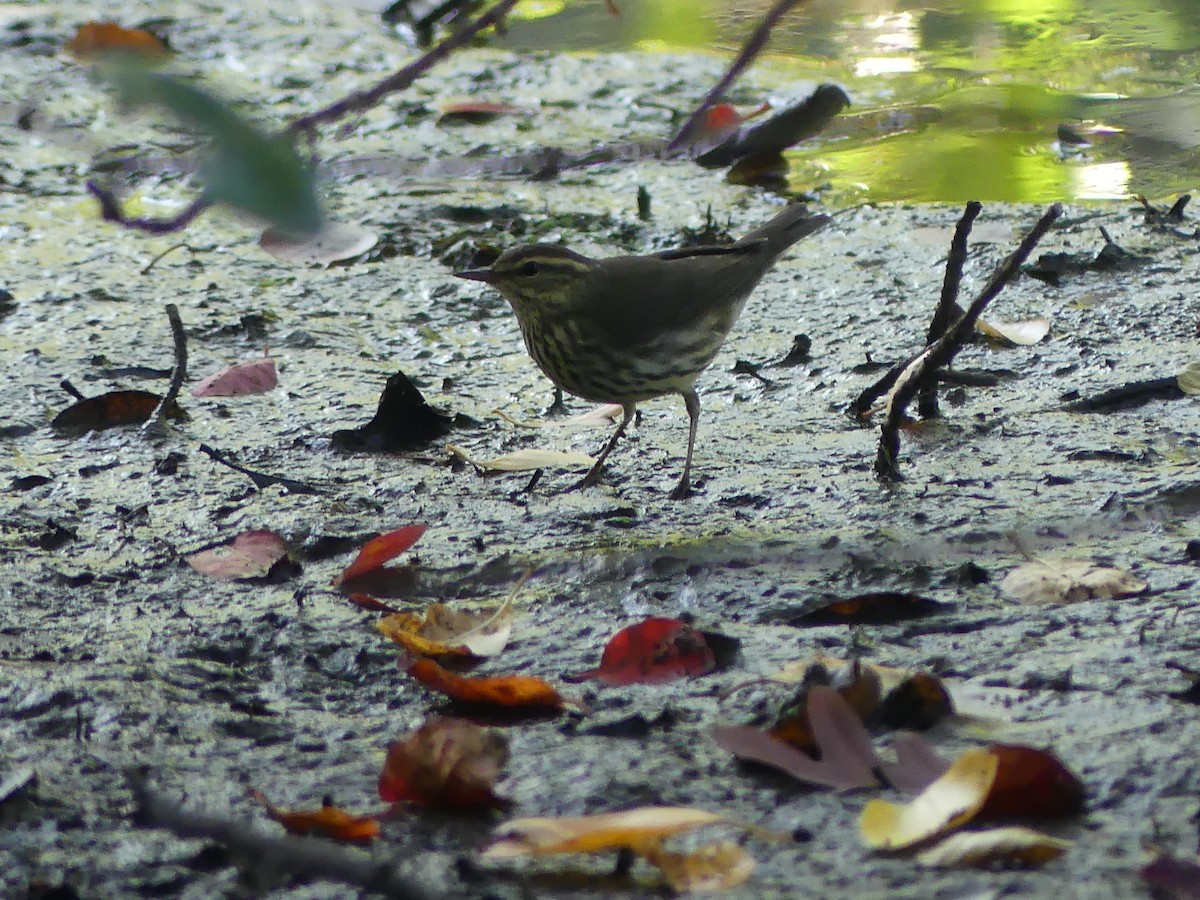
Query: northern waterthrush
x: 629, y: 328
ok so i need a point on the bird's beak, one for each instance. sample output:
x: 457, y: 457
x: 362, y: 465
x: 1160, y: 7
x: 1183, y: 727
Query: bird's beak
x: 487, y: 276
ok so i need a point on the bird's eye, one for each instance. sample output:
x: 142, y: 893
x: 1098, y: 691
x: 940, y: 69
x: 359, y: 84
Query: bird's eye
x: 530, y: 268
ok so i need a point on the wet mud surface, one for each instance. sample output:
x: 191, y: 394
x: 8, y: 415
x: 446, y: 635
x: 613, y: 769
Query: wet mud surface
x: 114, y: 654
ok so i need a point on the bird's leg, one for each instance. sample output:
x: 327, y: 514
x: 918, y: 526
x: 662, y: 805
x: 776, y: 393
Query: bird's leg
x: 593, y: 475
x: 557, y: 408
x: 692, y: 401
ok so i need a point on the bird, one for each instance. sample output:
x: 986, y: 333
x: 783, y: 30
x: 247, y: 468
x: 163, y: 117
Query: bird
x: 625, y: 329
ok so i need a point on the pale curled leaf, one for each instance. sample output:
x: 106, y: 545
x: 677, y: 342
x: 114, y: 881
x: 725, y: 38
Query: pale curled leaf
x: 1024, y: 333
x: 604, y: 416
x: 336, y: 241
x: 444, y: 631
x: 526, y: 460
x: 632, y: 829
x: 713, y: 867
x: 1044, y: 581
x: 1189, y: 379
x: 951, y: 801
x: 981, y: 848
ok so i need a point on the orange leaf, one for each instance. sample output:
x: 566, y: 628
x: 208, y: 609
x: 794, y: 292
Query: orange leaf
x: 652, y: 652
x: 1031, y: 784
x: 446, y: 763
x: 328, y: 821
x: 94, y: 38
x: 513, y: 691
x: 367, y: 602
x: 111, y: 410
x: 378, y: 550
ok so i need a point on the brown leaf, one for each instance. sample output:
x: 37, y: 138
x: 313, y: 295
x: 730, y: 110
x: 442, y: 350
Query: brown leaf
x: 251, y: 554
x: 1031, y: 784
x: 633, y: 829
x: 713, y: 867
x: 112, y: 410
x: 441, y: 631
x: 94, y: 38
x: 445, y: 764
x: 879, y: 608
x: 509, y: 691
x: 328, y: 821
x: 917, y: 703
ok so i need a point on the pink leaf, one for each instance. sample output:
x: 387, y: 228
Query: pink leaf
x: 917, y: 765
x: 249, y: 555
x: 254, y: 377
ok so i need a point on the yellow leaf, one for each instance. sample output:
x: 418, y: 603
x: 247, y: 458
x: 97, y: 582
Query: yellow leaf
x: 635, y: 829
x: 946, y: 804
x: 526, y: 460
x: 980, y: 848
x: 713, y: 867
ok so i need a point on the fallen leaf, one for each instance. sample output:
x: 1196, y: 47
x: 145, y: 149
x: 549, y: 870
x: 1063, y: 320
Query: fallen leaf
x: 328, y: 821
x: 112, y: 410
x: 847, y: 759
x: 917, y: 703
x: 951, y: 801
x: 251, y: 554
x: 632, y: 829
x: 982, y: 848
x: 1031, y: 784
x: 402, y: 421
x: 1179, y: 879
x: 880, y: 608
x: 253, y: 377
x: 1025, y: 333
x: 94, y: 38
x: 917, y: 765
x: 1043, y: 581
x: 477, y: 112
x: 445, y: 764
x: 651, y: 652
x: 1189, y: 379
x: 526, y: 460
x: 603, y: 416
x: 335, y: 242
x: 509, y: 691
x: 379, y: 550
x: 859, y: 686
x: 442, y: 631
x: 713, y: 867
x: 369, y: 603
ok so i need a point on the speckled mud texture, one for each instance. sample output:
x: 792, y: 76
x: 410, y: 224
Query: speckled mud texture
x: 114, y: 654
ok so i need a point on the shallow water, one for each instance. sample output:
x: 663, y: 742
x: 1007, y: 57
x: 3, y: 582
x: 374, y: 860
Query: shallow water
x: 953, y: 99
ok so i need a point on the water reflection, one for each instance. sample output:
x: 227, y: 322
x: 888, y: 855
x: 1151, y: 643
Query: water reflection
x: 953, y: 98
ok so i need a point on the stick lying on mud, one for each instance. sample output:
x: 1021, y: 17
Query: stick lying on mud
x: 304, y: 857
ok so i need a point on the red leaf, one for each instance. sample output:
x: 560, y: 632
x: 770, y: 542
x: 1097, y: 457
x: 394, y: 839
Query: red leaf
x: 254, y: 377
x: 367, y: 602
x: 446, y: 764
x: 652, y: 652
x: 378, y: 550
x: 1031, y: 784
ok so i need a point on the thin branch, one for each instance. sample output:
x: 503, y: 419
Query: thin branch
x: 401, y: 79
x: 261, y: 479
x: 311, y: 858
x: 753, y: 46
x: 948, y: 308
x: 947, y: 346
x: 178, y: 373
x: 110, y: 211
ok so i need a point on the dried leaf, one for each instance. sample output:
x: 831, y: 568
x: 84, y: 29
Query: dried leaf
x: 256, y: 376
x: 112, y: 410
x: 603, y: 416
x: 880, y: 608
x: 442, y: 631
x: 634, y: 829
x: 982, y: 848
x: 1025, y: 333
x: 510, y: 691
x: 1179, y: 879
x: 369, y: 603
x: 1044, y: 581
x: 94, y: 38
x: 251, y: 554
x: 1031, y: 784
x: 917, y: 765
x: 713, y: 867
x: 917, y: 703
x: 860, y: 687
x: 336, y: 241
x: 379, y: 550
x: 328, y: 821
x: 402, y: 421
x: 445, y: 764
x: 651, y: 652
x: 477, y: 112
x: 951, y: 801
x: 526, y: 460
x: 1189, y: 379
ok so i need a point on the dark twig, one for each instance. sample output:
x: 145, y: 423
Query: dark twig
x: 155, y: 423
x: 947, y: 346
x: 110, y: 211
x: 948, y: 308
x: 261, y: 479
x: 401, y: 79
x: 753, y: 46
x: 303, y: 857
x: 150, y: 265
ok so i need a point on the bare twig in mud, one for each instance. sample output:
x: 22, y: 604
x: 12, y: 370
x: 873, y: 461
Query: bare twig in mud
x: 260, y: 479
x: 154, y: 425
x: 923, y: 367
x: 753, y: 46
x: 402, y: 78
x: 302, y: 857
x: 110, y: 211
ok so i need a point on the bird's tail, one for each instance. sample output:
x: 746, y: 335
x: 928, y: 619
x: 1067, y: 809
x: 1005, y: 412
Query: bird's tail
x: 786, y: 228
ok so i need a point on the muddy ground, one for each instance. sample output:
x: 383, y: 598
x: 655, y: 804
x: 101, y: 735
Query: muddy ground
x: 114, y: 654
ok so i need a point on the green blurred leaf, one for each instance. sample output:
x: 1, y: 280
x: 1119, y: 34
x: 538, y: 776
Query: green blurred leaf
x: 247, y: 169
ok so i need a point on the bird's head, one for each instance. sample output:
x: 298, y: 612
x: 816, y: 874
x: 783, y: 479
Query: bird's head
x: 537, y: 278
